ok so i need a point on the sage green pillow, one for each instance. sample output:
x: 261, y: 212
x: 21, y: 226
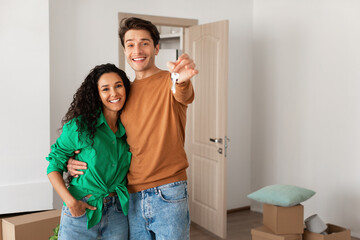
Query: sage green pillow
x: 282, y: 195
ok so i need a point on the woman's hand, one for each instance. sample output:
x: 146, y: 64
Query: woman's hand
x: 77, y: 208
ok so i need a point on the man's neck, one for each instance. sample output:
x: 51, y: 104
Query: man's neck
x: 148, y: 73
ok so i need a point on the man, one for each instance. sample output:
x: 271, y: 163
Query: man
x: 154, y: 120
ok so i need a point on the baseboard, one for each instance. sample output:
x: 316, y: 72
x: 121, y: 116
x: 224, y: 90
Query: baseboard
x: 234, y: 210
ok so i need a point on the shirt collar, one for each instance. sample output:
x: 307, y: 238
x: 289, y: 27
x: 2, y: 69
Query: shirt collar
x: 121, y: 130
x: 102, y: 120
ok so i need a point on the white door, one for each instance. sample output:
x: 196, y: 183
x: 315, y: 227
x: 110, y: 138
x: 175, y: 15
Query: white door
x: 207, y: 119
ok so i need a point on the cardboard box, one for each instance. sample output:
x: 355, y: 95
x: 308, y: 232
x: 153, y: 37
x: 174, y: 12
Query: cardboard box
x: 34, y: 226
x: 334, y: 233
x: 263, y: 233
x: 0, y: 228
x: 284, y: 220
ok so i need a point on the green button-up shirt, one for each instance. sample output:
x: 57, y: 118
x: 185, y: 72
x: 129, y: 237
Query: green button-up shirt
x: 108, y: 162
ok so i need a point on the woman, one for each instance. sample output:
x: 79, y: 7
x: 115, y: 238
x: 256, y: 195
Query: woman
x: 95, y: 203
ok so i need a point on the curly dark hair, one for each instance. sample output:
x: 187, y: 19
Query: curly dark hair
x: 127, y: 24
x: 87, y: 103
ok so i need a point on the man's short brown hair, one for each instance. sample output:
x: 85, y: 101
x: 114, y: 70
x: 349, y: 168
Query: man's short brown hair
x: 127, y: 24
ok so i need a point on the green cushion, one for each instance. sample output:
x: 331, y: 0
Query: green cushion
x: 281, y: 195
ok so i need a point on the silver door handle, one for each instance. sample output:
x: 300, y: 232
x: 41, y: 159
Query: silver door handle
x: 216, y: 140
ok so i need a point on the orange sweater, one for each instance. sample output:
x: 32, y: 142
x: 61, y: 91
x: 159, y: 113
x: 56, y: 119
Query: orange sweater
x: 154, y: 119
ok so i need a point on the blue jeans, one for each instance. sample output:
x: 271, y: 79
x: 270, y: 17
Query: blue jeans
x: 160, y: 213
x: 113, y: 224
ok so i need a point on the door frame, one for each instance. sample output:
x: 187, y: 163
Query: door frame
x: 156, y: 20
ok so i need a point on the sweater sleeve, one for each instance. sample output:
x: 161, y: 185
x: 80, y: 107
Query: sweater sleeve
x: 63, y: 148
x: 184, y: 93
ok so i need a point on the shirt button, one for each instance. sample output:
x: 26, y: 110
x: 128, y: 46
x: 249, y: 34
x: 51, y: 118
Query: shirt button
x: 113, y: 142
x: 113, y: 165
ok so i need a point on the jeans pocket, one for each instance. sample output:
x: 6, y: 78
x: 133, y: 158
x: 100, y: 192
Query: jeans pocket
x: 67, y: 213
x: 177, y: 193
x: 118, y: 206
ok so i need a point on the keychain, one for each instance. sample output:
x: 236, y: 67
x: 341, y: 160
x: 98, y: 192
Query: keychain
x: 174, y: 79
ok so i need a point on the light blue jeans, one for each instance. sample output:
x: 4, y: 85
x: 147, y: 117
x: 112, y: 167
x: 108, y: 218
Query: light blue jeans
x: 113, y: 224
x: 160, y: 213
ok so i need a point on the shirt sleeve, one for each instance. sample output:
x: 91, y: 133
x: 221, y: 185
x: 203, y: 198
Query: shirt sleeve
x: 63, y: 148
x: 184, y: 93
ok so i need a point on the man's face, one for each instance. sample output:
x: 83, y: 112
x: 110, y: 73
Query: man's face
x: 140, y: 51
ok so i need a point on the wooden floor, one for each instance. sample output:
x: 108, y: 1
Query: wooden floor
x: 239, y: 226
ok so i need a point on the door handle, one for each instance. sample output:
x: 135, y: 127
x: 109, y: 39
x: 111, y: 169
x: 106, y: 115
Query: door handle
x: 216, y: 140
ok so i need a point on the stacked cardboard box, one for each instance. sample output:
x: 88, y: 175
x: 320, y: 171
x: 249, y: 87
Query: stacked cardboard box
x: 286, y: 223
x: 334, y: 233
x: 263, y: 233
x: 280, y: 223
x: 34, y: 226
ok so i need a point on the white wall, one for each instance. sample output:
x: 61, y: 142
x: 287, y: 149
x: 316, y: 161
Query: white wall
x: 83, y: 33
x: 306, y: 103
x: 24, y: 104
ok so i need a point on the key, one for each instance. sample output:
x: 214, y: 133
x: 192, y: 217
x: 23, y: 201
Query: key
x: 174, y: 79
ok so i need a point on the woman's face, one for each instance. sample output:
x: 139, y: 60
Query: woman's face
x: 112, y: 92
